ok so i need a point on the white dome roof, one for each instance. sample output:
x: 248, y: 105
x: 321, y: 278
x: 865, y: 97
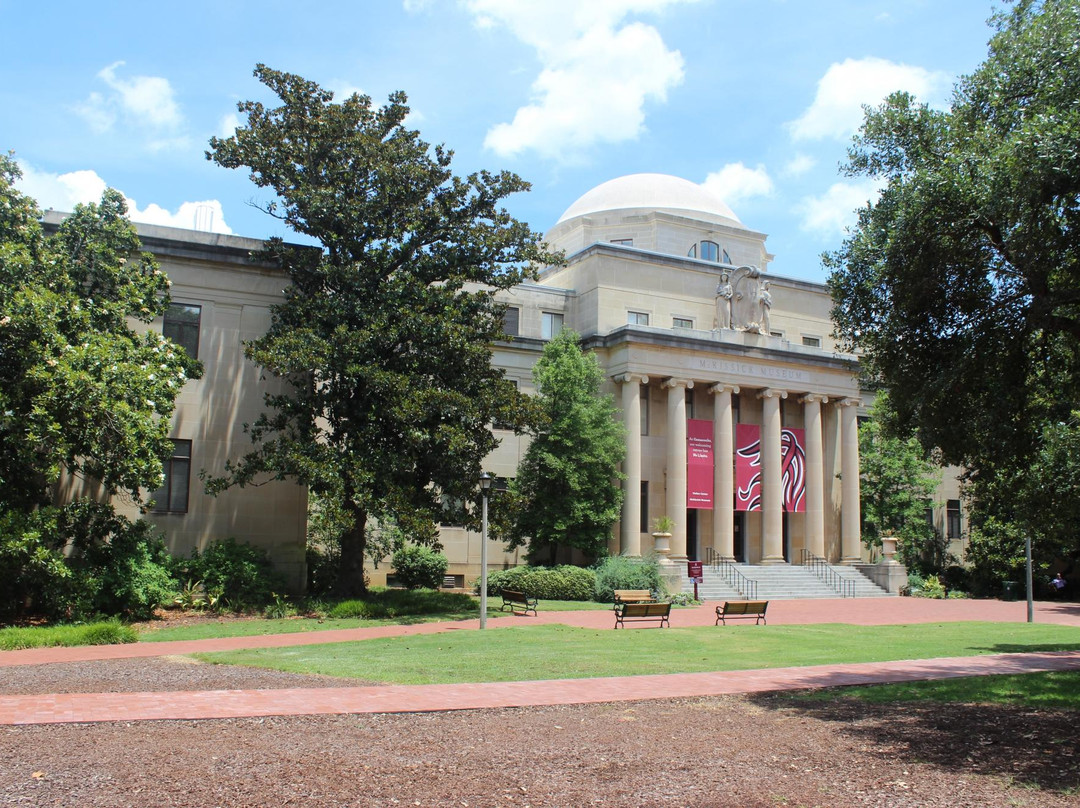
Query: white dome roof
x: 651, y: 191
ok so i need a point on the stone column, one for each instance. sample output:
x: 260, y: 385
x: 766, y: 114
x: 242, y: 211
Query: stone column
x: 723, y: 538
x: 631, y: 510
x: 850, y: 527
x: 772, y: 494
x: 676, y: 462
x: 815, y: 474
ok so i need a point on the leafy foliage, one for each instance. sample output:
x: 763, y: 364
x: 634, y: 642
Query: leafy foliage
x: 897, y: 484
x: 626, y: 572
x: 81, y: 392
x: 565, y: 582
x: 419, y: 567
x: 239, y: 576
x: 960, y: 285
x: 567, y: 486
x: 380, y: 604
x: 80, y: 560
x: 384, y: 332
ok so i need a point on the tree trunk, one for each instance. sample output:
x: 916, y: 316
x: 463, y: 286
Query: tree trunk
x: 351, y: 580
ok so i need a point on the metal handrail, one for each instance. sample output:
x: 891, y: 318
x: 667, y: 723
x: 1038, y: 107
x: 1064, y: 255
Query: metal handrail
x: 743, y: 585
x: 822, y: 569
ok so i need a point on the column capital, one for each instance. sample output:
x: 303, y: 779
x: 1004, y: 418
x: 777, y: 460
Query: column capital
x: 849, y: 402
x: 772, y: 392
x: 814, y: 398
x: 629, y: 378
x: 673, y: 382
x: 717, y: 389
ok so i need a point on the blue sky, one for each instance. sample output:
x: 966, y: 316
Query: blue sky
x: 756, y: 99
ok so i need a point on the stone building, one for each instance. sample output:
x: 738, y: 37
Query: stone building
x: 741, y: 413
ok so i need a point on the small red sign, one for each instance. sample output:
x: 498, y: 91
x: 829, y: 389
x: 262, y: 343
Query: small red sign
x: 695, y: 572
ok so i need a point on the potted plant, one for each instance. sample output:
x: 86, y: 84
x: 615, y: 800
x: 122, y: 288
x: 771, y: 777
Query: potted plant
x: 662, y: 534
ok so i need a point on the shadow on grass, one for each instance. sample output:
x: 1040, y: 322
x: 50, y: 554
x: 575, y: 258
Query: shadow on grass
x: 1028, y: 747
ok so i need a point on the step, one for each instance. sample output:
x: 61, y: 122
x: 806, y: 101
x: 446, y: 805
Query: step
x: 781, y: 582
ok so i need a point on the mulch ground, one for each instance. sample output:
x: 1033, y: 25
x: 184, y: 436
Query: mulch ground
x: 723, y: 751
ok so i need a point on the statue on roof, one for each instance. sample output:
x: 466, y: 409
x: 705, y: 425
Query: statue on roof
x: 724, y: 294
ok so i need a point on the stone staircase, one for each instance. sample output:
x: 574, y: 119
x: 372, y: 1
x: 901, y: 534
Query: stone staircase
x: 775, y: 582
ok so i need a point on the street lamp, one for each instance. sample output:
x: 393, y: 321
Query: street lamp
x: 485, y: 484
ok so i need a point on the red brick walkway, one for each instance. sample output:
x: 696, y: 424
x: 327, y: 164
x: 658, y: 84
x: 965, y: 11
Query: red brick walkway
x: 55, y: 708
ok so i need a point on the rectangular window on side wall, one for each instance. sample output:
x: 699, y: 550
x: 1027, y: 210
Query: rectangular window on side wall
x: 776, y: 334
x: 512, y: 321
x: 172, y: 497
x: 644, y: 506
x: 625, y: 242
x: 682, y: 322
x: 637, y: 318
x: 952, y: 517
x: 181, y: 325
x: 811, y: 342
x: 644, y: 409
x: 550, y: 324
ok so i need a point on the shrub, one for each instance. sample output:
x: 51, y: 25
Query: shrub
x: 419, y: 567
x: 391, y: 603
x: 931, y: 588
x: 239, y: 576
x: 565, y: 582
x: 626, y: 572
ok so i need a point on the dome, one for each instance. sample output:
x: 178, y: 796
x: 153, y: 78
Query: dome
x: 654, y: 192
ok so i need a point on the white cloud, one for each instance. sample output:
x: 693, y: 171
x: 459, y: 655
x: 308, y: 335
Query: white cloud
x: 228, y: 125
x: 63, y: 192
x: 846, y: 86
x: 832, y: 213
x: 735, y: 183
x: 597, y: 73
x: 144, y: 101
x: 799, y: 165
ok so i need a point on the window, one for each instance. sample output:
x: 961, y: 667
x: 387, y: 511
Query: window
x: 689, y: 403
x: 644, y: 526
x: 182, y: 326
x: 952, y: 516
x: 692, y: 252
x: 710, y: 251
x: 550, y: 324
x: 682, y: 322
x: 776, y: 334
x: 172, y: 497
x: 511, y: 321
x: 626, y: 242
x: 727, y: 258
x: 644, y: 409
x: 811, y: 342
x: 637, y: 318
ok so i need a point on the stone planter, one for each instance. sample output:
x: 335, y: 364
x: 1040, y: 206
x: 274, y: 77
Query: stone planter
x: 888, y: 549
x: 661, y: 543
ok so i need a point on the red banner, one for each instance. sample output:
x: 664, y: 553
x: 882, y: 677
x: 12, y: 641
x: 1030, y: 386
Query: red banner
x: 699, y: 464
x: 747, y: 467
x: 793, y: 469
x: 748, y: 480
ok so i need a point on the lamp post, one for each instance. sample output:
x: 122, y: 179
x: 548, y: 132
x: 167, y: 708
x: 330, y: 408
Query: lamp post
x: 485, y: 484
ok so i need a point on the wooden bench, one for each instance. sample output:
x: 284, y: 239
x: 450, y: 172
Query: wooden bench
x: 633, y: 596
x: 517, y: 600
x: 642, y: 611
x: 742, y: 608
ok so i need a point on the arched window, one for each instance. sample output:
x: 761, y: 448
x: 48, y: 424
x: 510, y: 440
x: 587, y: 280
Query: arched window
x: 727, y: 258
x: 692, y: 252
x: 710, y: 251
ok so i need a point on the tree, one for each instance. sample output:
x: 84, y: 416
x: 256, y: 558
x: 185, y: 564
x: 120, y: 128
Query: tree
x: 960, y: 285
x: 567, y: 490
x: 383, y: 336
x: 83, y: 395
x: 897, y: 484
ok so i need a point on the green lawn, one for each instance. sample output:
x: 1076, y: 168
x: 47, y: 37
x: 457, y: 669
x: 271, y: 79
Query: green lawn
x: 106, y: 632
x: 262, y: 626
x: 1055, y: 690
x: 555, y: 652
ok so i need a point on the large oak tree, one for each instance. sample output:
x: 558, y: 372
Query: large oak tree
x: 960, y: 285
x: 384, y: 334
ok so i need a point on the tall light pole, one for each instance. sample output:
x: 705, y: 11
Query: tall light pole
x: 485, y: 484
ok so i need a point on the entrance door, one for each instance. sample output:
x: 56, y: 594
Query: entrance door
x: 691, y: 534
x: 740, y: 532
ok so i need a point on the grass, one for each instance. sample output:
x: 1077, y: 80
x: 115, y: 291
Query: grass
x: 1057, y: 690
x: 555, y: 651
x: 104, y: 633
